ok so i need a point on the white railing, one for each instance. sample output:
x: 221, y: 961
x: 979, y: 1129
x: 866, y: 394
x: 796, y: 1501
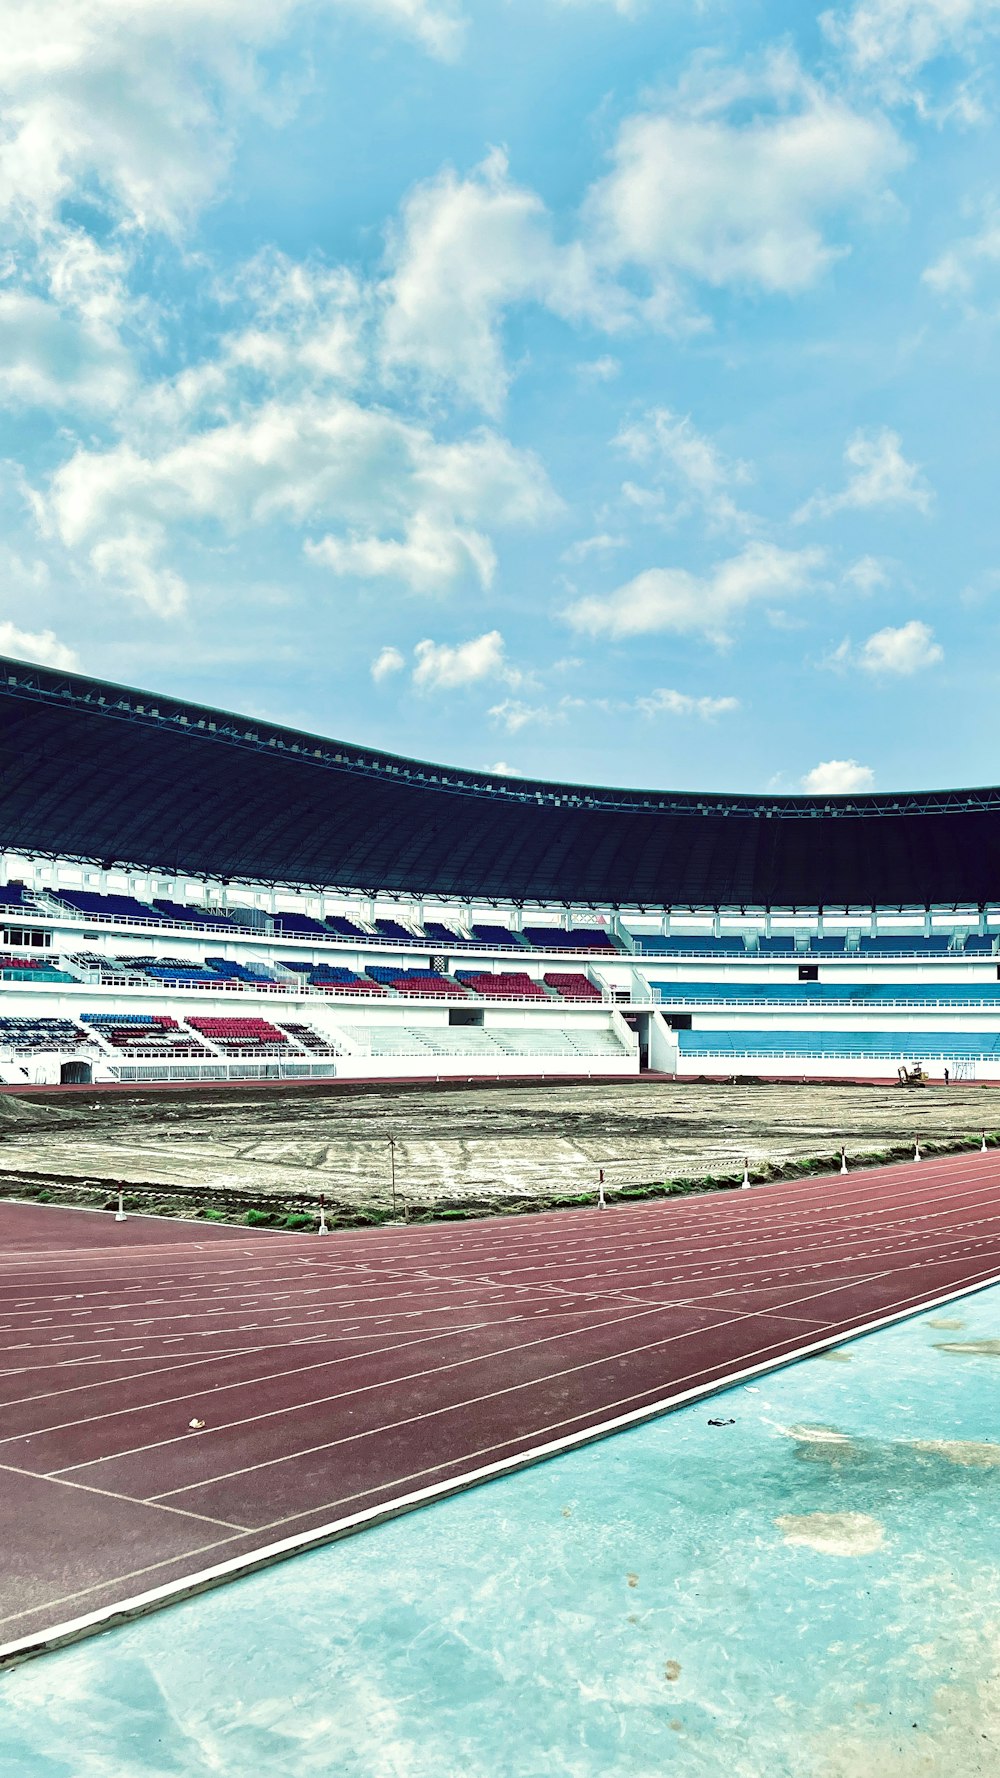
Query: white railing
x: 234, y: 928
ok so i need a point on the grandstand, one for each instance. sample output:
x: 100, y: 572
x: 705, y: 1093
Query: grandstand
x: 362, y: 916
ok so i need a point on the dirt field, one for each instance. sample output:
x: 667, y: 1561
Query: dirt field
x: 485, y: 1147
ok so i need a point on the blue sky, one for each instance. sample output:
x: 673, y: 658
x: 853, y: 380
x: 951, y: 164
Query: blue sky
x: 595, y: 389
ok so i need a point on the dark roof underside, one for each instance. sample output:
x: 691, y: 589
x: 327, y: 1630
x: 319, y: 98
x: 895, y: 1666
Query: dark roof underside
x: 96, y: 771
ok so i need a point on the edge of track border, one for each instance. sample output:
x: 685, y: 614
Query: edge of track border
x: 26, y: 1648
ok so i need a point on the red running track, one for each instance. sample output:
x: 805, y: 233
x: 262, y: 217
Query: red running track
x: 337, y: 1377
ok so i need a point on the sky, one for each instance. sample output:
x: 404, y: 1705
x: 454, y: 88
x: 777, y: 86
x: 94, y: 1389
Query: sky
x: 600, y: 390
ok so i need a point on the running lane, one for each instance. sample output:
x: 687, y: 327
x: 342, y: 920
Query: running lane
x: 175, y: 1397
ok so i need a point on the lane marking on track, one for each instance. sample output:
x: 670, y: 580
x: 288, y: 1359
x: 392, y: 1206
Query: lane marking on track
x: 73, y: 1630
x: 369, y: 1389
x: 32, y: 1475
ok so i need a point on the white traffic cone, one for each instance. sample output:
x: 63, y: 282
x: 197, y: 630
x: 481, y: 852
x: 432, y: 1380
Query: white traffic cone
x: 843, y: 1159
x: 746, y: 1174
x: 120, y: 1212
x: 601, y: 1203
x: 982, y: 1145
x: 916, y: 1150
x: 323, y: 1229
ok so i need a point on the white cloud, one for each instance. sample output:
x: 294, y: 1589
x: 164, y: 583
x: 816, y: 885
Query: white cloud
x: 400, y: 501
x: 737, y: 181
x: 501, y: 769
x: 677, y: 599
x: 891, y: 41
x: 431, y: 556
x: 128, y: 111
x: 679, y: 703
x: 955, y: 275
x: 733, y: 182
x: 443, y: 666
x: 136, y: 102
x: 591, y: 546
x: 51, y: 358
x: 879, y: 476
x: 308, y: 321
x: 514, y: 715
x: 39, y: 645
x: 465, y: 251
x: 678, y: 456
x: 599, y: 370
x: 983, y: 586
x: 908, y: 649
x: 628, y: 9
x: 868, y: 574
x: 838, y: 777
x: 387, y: 661
x: 129, y: 564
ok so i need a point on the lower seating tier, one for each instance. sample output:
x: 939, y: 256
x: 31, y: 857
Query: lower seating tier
x: 141, y: 1034
x: 571, y: 987
x: 504, y: 985
x: 476, y: 1041
x: 240, y: 1037
x: 893, y: 1045
x: 31, y: 1036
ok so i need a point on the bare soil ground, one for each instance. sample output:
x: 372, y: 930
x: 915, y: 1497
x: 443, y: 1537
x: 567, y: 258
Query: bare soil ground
x: 458, y: 1149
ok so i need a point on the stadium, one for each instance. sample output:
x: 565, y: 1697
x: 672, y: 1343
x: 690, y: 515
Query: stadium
x: 259, y: 987
x: 193, y: 896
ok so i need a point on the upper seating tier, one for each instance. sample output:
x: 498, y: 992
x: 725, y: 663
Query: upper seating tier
x: 345, y: 928
x: 15, y: 895
x: 191, y: 916
x: 444, y: 935
x: 392, y: 929
x: 560, y: 938
x: 301, y: 923
x: 112, y: 907
x: 692, y: 945
x: 492, y: 934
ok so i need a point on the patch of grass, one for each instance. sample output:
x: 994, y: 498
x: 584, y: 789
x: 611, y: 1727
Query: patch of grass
x: 257, y: 1219
x: 296, y: 1219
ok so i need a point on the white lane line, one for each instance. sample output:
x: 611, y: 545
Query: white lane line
x: 32, y: 1475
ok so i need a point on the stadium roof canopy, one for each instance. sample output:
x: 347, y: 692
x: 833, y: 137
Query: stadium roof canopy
x: 99, y: 772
